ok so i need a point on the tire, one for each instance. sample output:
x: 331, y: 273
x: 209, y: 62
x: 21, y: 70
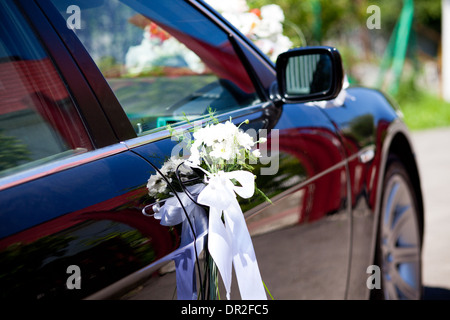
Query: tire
x: 399, y: 241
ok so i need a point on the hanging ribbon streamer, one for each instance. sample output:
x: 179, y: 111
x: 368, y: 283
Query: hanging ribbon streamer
x: 229, y: 241
x: 171, y: 214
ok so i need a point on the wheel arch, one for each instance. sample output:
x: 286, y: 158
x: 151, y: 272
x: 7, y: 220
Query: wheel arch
x: 402, y: 148
x: 397, y: 144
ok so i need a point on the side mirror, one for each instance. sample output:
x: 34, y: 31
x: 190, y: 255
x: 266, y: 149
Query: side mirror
x: 309, y: 74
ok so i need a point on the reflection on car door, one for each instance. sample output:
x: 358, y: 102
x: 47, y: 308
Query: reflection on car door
x: 67, y: 203
x: 302, y: 239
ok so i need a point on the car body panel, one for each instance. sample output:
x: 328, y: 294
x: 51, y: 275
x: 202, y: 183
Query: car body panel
x: 308, y: 188
x: 97, y: 226
x: 322, y: 171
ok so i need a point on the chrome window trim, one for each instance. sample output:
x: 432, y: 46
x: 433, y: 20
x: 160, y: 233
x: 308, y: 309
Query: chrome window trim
x: 53, y: 167
x: 59, y: 165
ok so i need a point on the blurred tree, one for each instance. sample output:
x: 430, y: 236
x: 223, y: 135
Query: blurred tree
x: 427, y: 12
x: 335, y: 18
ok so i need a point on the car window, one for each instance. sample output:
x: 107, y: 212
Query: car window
x: 38, y: 120
x: 164, y: 60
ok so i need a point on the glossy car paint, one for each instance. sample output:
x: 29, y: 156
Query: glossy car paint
x: 314, y: 242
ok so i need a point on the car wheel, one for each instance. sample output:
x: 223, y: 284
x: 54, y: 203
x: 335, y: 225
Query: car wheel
x: 399, y: 239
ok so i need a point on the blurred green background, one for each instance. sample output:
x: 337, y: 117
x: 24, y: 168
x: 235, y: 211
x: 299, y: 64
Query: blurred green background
x: 401, y: 57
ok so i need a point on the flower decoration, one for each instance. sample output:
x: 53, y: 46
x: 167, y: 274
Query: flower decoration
x: 223, y: 146
x: 222, y: 153
x: 157, y: 185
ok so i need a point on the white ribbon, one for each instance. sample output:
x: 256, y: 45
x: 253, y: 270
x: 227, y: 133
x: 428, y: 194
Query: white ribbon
x: 171, y: 214
x: 229, y: 241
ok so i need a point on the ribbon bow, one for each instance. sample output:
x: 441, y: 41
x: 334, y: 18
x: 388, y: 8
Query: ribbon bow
x: 229, y: 241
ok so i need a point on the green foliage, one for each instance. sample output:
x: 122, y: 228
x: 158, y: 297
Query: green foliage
x: 426, y: 12
x: 316, y: 19
x: 320, y: 20
x: 421, y: 109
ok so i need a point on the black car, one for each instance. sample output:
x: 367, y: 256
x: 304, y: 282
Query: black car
x: 89, y: 93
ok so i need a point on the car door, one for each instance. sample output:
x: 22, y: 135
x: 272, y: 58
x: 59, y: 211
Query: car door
x: 169, y: 62
x: 70, y: 192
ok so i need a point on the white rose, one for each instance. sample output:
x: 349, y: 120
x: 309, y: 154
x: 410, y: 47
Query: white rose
x: 245, y: 140
x: 221, y: 151
x: 256, y: 153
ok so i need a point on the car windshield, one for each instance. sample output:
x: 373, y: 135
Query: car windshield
x: 164, y: 60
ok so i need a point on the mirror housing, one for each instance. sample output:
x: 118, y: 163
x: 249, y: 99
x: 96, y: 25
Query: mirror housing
x: 309, y: 74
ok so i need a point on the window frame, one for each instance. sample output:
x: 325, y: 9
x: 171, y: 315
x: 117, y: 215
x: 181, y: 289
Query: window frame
x: 97, y: 125
x: 106, y: 97
x: 98, y: 129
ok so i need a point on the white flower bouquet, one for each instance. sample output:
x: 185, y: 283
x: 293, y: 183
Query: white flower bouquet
x: 221, y: 155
